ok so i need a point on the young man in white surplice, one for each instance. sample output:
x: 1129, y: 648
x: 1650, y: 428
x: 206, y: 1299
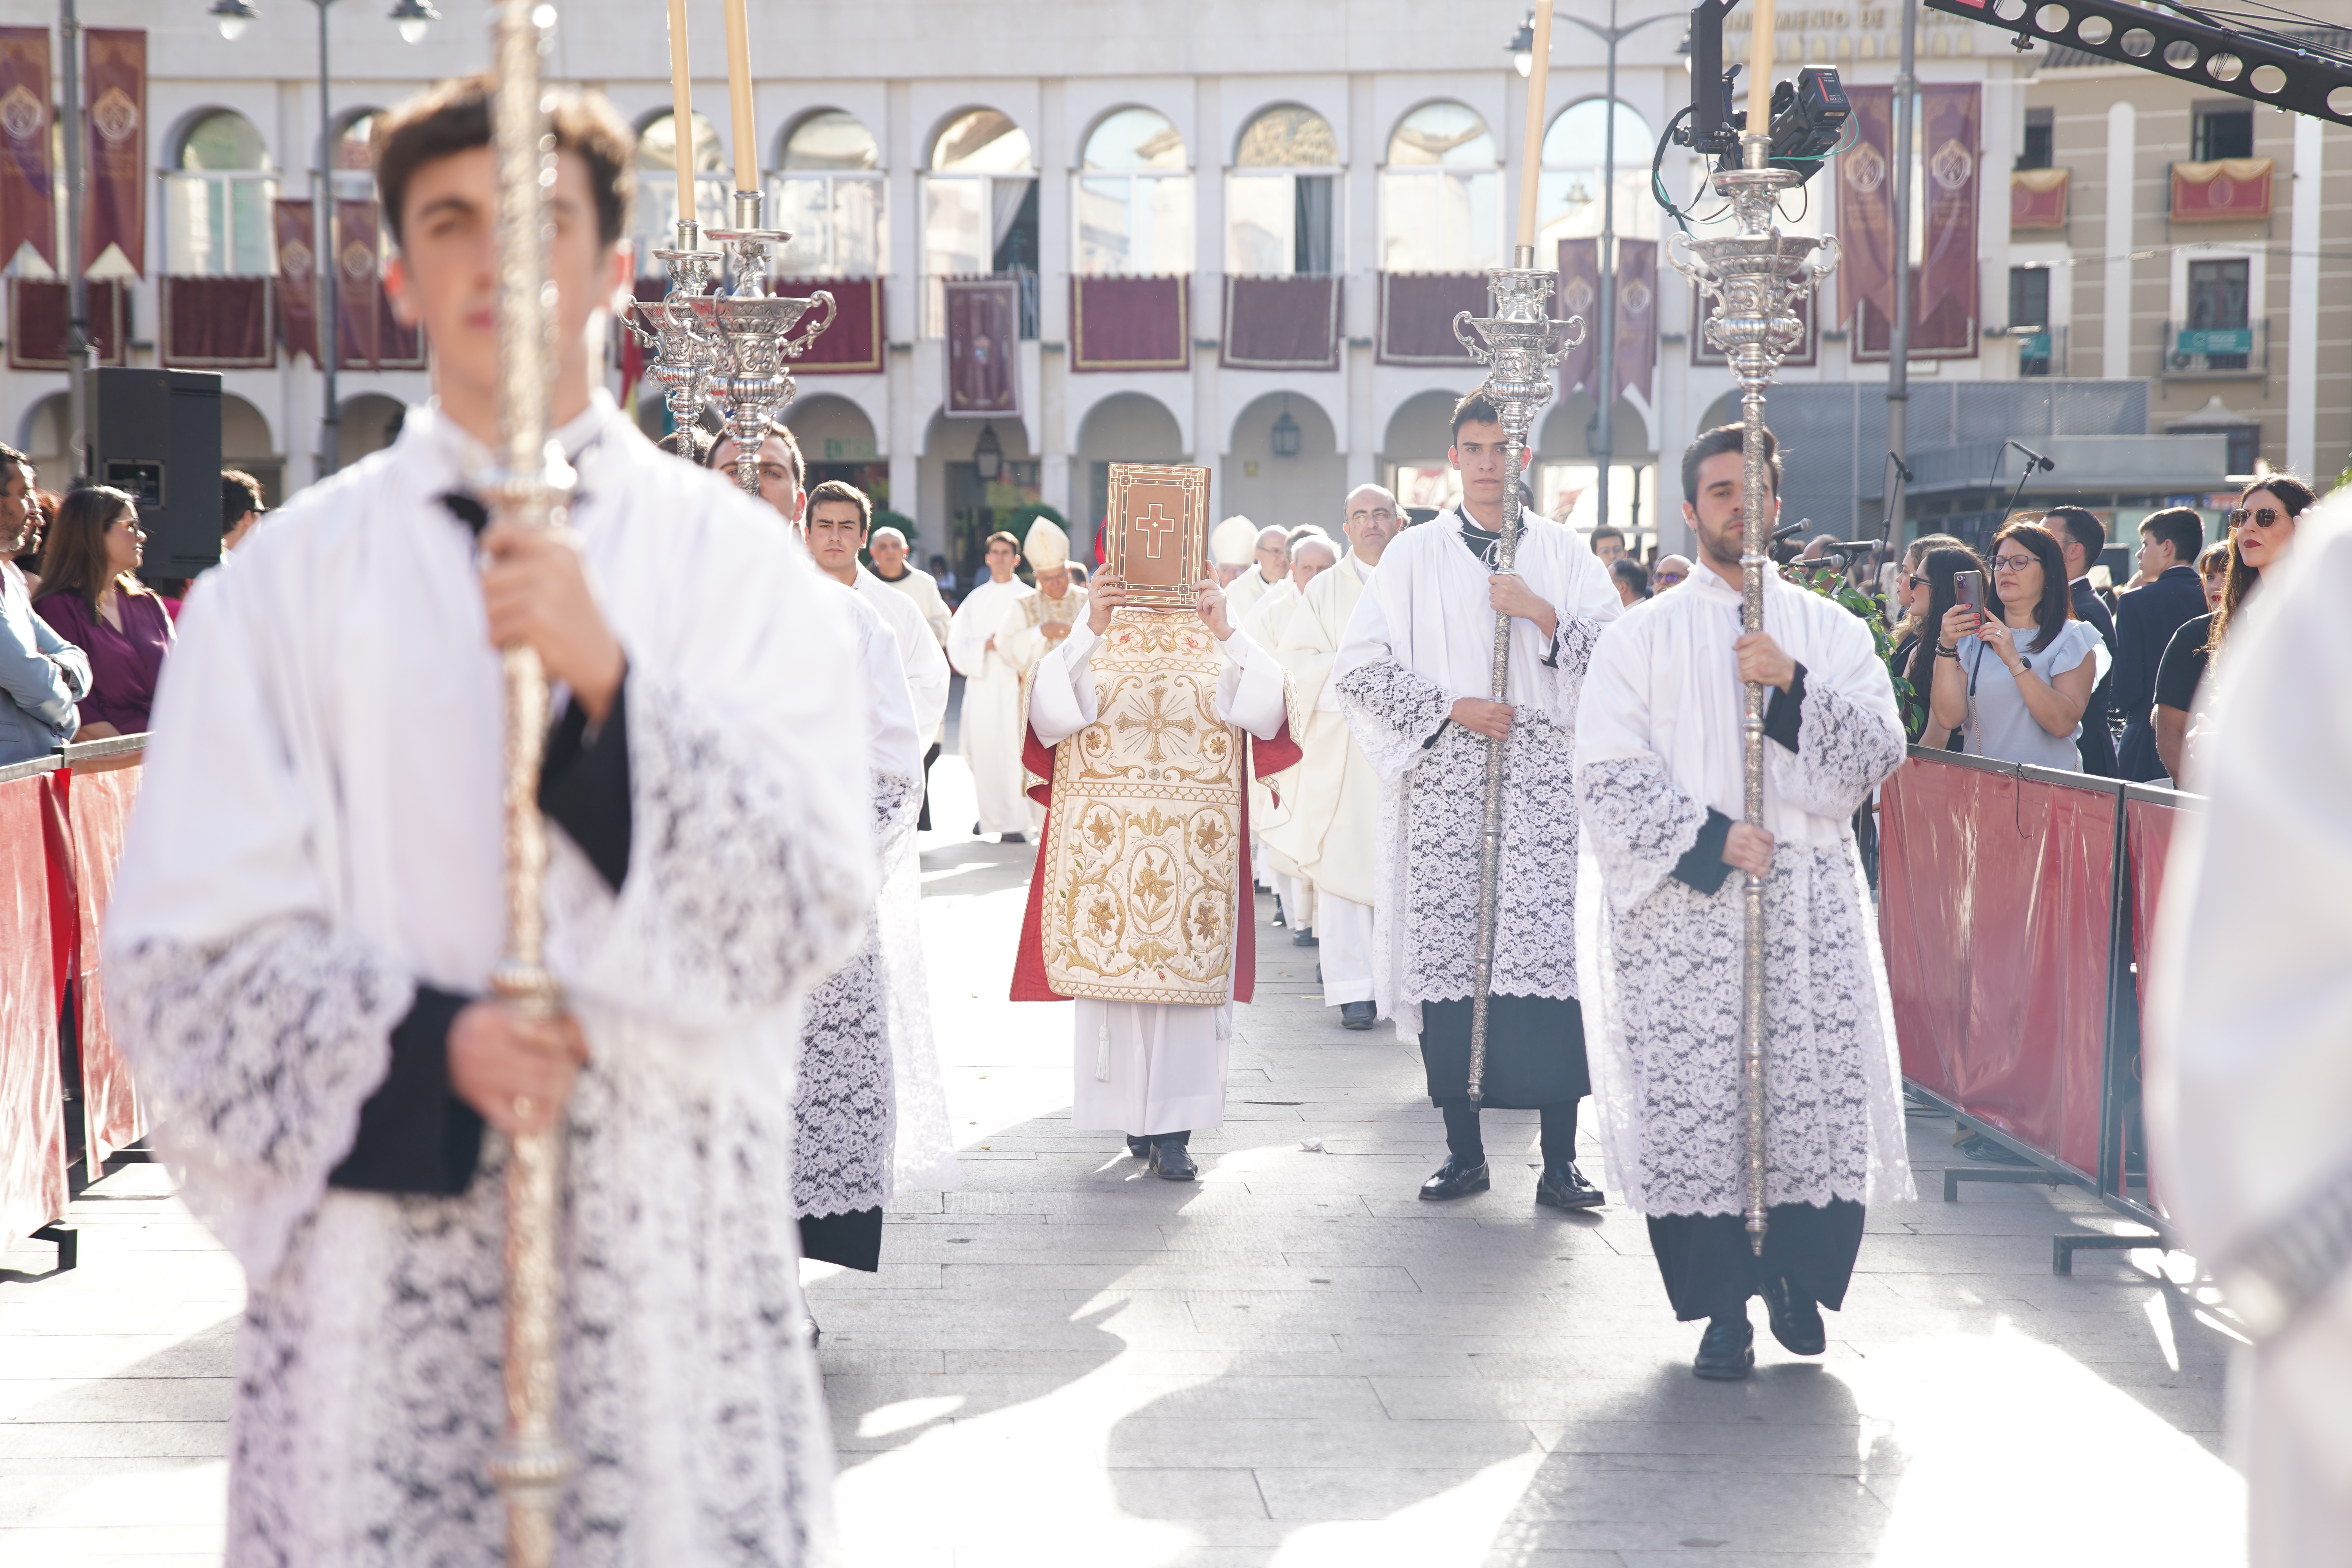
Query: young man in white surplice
x: 989, y: 727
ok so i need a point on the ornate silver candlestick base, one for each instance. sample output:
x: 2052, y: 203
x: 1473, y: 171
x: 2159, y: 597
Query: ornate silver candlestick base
x: 757, y: 329
x: 1521, y: 346
x: 686, y: 353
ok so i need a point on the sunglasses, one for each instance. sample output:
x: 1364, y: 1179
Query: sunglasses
x: 1916, y: 581
x: 2264, y: 517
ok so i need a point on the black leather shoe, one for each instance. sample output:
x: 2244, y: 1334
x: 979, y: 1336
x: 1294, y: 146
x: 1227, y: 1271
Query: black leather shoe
x: 1012, y: 838
x: 1305, y: 937
x: 1563, y: 1186
x: 1139, y: 1147
x: 1173, y: 1161
x: 1455, y: 1180
x: 1726, y: 1352
x: 1796, y: 1319
x: 1278, y: 917
x: 1357, y: 1014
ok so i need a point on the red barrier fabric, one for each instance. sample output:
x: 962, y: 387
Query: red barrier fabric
x: 1995, y: 900
x: 33, y: 1190
x: 98, y: 809
x: 2147, y: 840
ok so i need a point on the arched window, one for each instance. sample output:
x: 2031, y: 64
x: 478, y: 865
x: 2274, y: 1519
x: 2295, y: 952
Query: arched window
x: 1133, y: 209
x: 216, y: 201
x: 654, y: 214
x: 1568, y: 196
x: 354, y: 156
x: 829, y: 194
x: 979, y: 213
x: 1441, y: 208
x: 1282, y: 195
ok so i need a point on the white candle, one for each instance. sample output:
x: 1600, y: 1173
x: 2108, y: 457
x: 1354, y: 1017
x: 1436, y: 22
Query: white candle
x: 738, y: 95
x: 681, y: 111
x: 1531, y: 170
x: 1760, y: 72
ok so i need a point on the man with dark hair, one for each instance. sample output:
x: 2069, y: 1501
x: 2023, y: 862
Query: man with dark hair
x: 782, y: 469
x: 1608, y: 544
x: 241, y: 506
x: 2081, y: 537
x: 2171, y: 593
x: 989, y: 726
x: 1413, y: 678
x: 310, y: 908
x: 42, y: 676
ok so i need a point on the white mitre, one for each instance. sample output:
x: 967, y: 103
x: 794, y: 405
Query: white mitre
x: 1047, y: 548
x: 1233, y: 542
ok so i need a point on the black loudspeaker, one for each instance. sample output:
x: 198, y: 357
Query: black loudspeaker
x: 156, y: 434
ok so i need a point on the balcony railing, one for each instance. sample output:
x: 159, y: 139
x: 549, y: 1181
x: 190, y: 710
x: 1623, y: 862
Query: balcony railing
x: 2193, y: 352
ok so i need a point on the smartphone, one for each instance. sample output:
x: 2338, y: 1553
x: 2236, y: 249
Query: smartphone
x: 1969, y: 587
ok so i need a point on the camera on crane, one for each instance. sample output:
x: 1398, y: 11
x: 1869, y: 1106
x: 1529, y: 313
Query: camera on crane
x: 1808, y: 115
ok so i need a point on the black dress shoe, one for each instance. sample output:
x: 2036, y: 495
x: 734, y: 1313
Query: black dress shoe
x: 1173, y: 1161
x: 975, y: 830
x: 1726, y: 1352
x: 1139, y: 1147
x: 1796, y: 1319
x: 1357, y: 1014
x: 1012, y: 838
x: 1305, y: 937
x: 1278, y: 919
x: 1455, y: 1180
x: 1563, y: 1186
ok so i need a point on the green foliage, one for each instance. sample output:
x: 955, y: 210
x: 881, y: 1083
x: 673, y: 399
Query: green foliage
x: 1830, y: 582
x: 884, y: 518
x: 1016, y: 521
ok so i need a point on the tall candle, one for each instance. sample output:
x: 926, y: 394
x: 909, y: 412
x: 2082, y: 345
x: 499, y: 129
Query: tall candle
x: 1531, y: 164
x: 738, y: 95
x: 1760, y: 72
x: 681, y: 109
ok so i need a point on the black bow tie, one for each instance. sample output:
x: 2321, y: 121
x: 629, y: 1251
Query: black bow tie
x: 467, y: 509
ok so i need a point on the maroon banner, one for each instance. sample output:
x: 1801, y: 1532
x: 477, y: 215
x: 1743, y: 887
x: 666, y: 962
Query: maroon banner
x: 359, y: 285
x: 1806, y: 352
x: 98, y: 809
x: 1995, y: 899
x: 1281, y: 323
x: 298, y: 277
x: 2228, y: 190
x: 36, y: 322
x: 1637, y: 315
x: 115, y: 81
x: 1417, y: 311
x: 1950, y: 114
x: 1945, y: 333
x: 1580, y: 295
x: 33, y: 1189
x: 218, y: 323
x: 1131, y: 323
x: 1866, y: 198
x: 853, y: 344
x: 28, y: 212
x: 984, y: 331
x: 2037, y: 198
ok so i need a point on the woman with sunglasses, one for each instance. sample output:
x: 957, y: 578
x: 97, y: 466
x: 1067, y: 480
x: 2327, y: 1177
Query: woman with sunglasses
x: 2261, y: 530
x: 1929, y: 580
x: 2015, y: 686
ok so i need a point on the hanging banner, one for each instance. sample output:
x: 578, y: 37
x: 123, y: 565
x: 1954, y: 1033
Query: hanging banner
x: 2226, y: 190
x: 28, y: 213
x: 984, y: 331
x: 1950, y: 114
x: 114, y: 229
x: 1866, y: 199
x: 1580, y: 295
x: 1637, y: 316
x: 298, y: 279
x: 2037, y: 198
x: 359, y: 285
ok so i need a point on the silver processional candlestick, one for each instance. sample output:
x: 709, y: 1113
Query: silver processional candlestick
x: 1521, y: 345
x: 1754, y: 279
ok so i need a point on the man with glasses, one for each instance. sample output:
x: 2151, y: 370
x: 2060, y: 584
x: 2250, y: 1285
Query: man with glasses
x: 2146, y: 619
x: 1670, y: 570
x: 1272, y: 565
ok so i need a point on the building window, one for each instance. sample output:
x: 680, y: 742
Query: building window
x: 1281, y: 197
x: 653, y: 214
x: 1133, y: 210
x: 2040, y: 145
x: 829, y: 193
x: 355, y: 161
x: 1570, y: 194
x: 2223, y: 132
x: 1441, y: 208
x: 2218, y: 291
x: 979, y: 213
x: 216, y: 202
x: 2029, y: 316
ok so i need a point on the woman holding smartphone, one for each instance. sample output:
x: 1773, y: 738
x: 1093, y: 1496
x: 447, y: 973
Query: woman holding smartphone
x: 2014, y: 686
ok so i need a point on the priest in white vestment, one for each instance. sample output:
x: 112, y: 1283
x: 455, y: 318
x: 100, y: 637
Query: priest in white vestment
x: 1041, y: 618
x: 1658, y: 776
x: 1139, y: 906
x: 895, y: 569
x: 1273, y: 800
x: 989, y: 727
x: 2249, y: 1013
x: 1270, y: 558
x: 1330, y: 832
x: 1413, y: 679
x: 1231, y: 544
x: 311, y: 904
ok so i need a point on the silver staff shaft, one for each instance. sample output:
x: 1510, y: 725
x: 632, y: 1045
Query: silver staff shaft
x: 1521, y: 345
x: 529, y: 489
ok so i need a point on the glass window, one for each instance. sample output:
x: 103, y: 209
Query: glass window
x: 831, y: 142
x: 653, y: 215
x: 1570, y: 190
x: 981, y: 142
x: 1133, y: 207
x: 2041, y: 138
x: 979, y: 213
x: 1441, y: 208
x: 1281, y: 197
x: 2029, y: 314
x: 830, y: 195
x: 2224, y: 133
x: 354, y: 157
x: 2217, y: 294
x: 216, y: 204
x: 1288, y: 137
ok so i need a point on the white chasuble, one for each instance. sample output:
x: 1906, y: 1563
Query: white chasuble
x: 1659, y: 748
x: 990, y: 725
x: 1025, y: 638
x: 319, y: 834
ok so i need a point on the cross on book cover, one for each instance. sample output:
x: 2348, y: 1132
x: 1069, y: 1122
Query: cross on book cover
x: 1158, y: 533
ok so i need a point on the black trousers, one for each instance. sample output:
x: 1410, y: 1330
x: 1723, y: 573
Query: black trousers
x: 854, y: 1240
x: 1464, y: 1142
x: 1710, y: 1270
x: 923, y: 822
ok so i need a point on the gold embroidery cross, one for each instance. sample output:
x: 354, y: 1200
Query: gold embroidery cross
x: 1157, y: 721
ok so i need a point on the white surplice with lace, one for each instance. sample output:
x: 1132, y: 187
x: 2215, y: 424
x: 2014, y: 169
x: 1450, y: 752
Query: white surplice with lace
x: 320, y: 833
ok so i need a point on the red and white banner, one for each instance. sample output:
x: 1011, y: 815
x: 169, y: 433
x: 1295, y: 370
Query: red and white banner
x: 115, y: 83
x: 1637, y: 315
x: 1866, y: 198
x: 28, y: 213
x: 2037, y: 198
x: 1580, y: 296
x: 296, y: 234
x: 359, y: 284
x: 2228, y: 190
x: 1951, y: 115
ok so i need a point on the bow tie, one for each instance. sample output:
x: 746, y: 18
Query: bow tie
x: 468, y: 510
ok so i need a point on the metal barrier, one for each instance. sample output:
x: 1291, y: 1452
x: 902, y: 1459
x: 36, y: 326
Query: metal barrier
x: 2014, y: 908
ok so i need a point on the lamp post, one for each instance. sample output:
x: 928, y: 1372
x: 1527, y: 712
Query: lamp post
x: 412, y: 18
x: 1523, y: 61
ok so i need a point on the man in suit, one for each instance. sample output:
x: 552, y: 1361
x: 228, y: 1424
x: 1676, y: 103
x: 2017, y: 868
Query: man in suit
x: 2146, y: 619
x: 2081, y: 538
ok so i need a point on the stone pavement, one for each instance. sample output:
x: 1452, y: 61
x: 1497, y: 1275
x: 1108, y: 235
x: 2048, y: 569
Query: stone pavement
x: 1292, y: 1362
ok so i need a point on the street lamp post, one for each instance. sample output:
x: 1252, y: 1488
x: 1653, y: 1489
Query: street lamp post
x: 1523, y: 60
x: 412, y: 18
